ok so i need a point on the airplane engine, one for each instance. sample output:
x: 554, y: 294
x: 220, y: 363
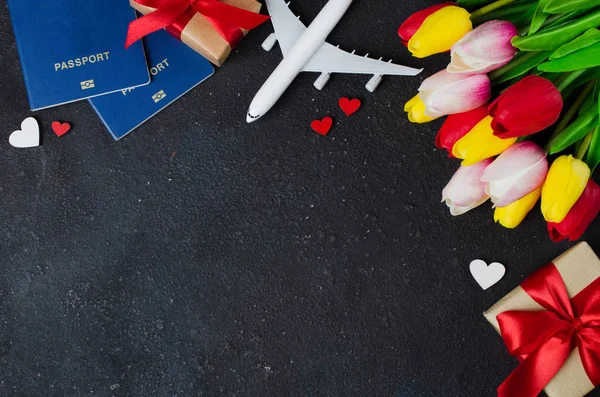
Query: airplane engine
x: 268, y: 44
x: 374, y: 83
x: 322, y: 80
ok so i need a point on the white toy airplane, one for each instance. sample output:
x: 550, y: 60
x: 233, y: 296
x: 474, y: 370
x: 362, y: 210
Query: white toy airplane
x: 305, y: 50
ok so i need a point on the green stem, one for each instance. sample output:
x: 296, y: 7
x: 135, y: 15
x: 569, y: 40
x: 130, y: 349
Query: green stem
x: 569, y: 16
x: 585, y: 145
x: 522, y: 58
x: 490, y: 7
x: 566, y: 119
x: 569, y: 78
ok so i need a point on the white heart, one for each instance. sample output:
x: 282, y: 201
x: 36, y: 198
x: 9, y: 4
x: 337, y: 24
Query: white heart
x: 485, y: 275
x: 28, y: 136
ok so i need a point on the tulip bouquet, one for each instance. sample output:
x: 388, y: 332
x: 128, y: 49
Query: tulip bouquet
x: 521, y: 91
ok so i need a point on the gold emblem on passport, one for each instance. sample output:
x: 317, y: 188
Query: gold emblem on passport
x: 159, y: 96
x: 87, y: 84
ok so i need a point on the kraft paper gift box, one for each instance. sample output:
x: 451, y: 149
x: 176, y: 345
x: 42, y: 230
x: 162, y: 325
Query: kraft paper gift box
x: 579, y: 267
x: 201, y: 35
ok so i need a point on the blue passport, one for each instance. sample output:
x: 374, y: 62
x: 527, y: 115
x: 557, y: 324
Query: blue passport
x: 175, y: 70
x: 73, y: 49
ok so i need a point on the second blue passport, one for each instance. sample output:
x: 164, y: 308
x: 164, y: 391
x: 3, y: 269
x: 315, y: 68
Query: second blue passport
x: 175, y: 69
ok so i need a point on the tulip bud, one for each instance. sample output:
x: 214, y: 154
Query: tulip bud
x: 445, y: 93
x: 484, y: 49
x: 416, y: 111
x: 465, y: 190
x: 580, y: 217
x: 513, y: 214
x: 480, y: 143
x: 520, y: 170
x: 458, y: 125
x: 566, y: 181
x: 414, y: 22
x: 438, y: 32
x: 531, y: 105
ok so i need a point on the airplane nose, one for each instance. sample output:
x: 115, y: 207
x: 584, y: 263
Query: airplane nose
x: 250, y: 118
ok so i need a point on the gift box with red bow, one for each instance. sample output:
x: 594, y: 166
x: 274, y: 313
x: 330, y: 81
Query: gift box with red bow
x: 212, y: 28
x: 551, y: 324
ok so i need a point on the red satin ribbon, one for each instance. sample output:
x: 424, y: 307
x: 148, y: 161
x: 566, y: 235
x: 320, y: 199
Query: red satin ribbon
x: 543, y: 340
x: 176, y: 14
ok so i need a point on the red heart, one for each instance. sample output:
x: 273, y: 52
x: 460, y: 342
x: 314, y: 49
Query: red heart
x: 322, y: 126
x: 60, y: 129
x: 350, y: 106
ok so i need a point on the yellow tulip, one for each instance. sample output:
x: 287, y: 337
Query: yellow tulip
x: 512, y: 215
x: 564, y: 184
x: 440, y: 31
x: 416, y: 110
x: 480, y: 143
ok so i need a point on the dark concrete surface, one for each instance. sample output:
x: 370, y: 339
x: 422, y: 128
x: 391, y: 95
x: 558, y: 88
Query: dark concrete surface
x: 202, y: 256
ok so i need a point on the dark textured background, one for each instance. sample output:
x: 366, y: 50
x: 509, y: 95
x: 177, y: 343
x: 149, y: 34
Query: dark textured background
x: 202, y: 256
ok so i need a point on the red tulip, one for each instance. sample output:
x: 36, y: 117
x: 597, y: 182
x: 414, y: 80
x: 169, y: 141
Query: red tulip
x: 458, y: 125
x: 413, y: 23
x: 531, y: 105
x: 580, y: 217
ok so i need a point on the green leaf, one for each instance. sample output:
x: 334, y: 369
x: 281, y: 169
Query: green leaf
x: 519, y: 66
x: 553, y: 77
x: 593, y: 155
x: 564, y: 19
x: 589, y: 101
x: 589, y: 74
x: 572, y: 110
x: 554, y: 38
x: 569, y: 78
x: 585, y: 58
x: 576, y: 131
x: 518, y: 14
x: 521, y: 16
x: 558, y: 20
x: 587, y: 39
x: 564, y: 6
x: 539, y: 17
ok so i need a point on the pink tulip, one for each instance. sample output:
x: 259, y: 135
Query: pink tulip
x: 520, y: 170
x: 484, y: 49
x: 465, y: 190
x: 445, y: 93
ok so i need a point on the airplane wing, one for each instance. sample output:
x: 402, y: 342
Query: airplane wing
x: 288, y: 27
x: 330, y: 59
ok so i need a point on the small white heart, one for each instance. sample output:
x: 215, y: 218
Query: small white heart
x: 28, y: 136
x: 485, y: 275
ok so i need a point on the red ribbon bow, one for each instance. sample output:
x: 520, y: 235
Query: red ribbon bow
x: 543, y: 340
x: 176, y: 14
